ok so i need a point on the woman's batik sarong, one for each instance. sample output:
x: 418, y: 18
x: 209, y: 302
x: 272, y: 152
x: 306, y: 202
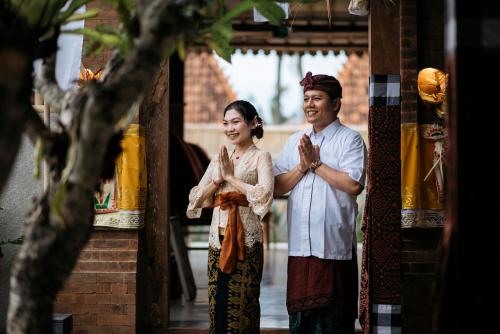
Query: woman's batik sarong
x: 234, y: 298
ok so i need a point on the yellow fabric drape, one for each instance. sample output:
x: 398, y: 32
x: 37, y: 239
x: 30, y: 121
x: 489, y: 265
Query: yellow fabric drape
x: 422, y: 204
x: 130, y: 183
x: 422, y: 150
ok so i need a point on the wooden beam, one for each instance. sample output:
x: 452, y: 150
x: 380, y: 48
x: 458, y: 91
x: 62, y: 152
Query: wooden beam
x: 384, y: 42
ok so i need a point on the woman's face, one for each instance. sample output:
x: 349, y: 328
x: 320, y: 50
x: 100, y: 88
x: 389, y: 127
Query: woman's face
x: 236, y: 128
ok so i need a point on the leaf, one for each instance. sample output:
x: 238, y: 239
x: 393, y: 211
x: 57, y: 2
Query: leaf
x: 40, y: 15
x: 57, y: 200
x: 181, y: 48
x: 242, y: 7
x: 221, y: 46
x: 169, y: 51
x: 82, y: 16
x: 93, y: 48
x: 124, y: 8
x: 224, y: 31
x: 106, y: 28
x: 72, y: 8
x: 270, y: 10
x: 114, y: 40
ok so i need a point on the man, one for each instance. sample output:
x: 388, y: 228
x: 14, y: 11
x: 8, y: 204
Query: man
x: 324, y: 168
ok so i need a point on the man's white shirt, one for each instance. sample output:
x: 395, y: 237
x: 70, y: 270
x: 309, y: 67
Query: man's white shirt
x: 322, y: 219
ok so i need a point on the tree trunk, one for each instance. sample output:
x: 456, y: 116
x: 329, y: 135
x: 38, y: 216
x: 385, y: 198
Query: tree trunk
x: 61, y: 222
x: 45, y: 260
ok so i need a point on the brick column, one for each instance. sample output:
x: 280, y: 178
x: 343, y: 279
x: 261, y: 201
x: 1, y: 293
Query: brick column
x: 101, y: 291
x: 419, y: 258
x: 408, y: 55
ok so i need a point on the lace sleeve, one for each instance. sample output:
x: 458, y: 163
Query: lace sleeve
x: 260, y: 196
x: 197, y: 193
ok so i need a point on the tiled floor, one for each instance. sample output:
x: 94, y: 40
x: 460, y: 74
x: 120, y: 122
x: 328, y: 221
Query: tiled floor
x: 272, y: 295
x: 194, y: 315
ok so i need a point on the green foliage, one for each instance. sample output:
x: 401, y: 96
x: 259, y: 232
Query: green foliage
x: 219, y: 34
x: 82, y: 16
x: 101, y: 38
x: 47, y: 15
x: 57, y: 200
x: 215, y: 32
x: 72, y: 8
x: 270, y: 10
x: 125, y: 10
x: 106, y: 36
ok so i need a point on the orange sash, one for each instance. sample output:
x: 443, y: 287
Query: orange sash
x: 233, y: 245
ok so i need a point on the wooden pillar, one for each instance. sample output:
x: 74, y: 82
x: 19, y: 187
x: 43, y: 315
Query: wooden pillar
x: 383, y: 45
x: 176, y: 96
x: 469, y: 289
x: 381, y: 273
x: 152, y: 304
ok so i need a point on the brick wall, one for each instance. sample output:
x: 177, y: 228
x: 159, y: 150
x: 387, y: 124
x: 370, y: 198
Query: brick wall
x: 101, y: 291
x: 107, y: 16
x: 419, y: 259
x: 354, y: 80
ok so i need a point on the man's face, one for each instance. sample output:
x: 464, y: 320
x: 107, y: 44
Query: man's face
x: 318, y: 108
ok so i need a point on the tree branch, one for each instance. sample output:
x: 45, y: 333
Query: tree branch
x: 62, y: 221
x: 47, y: 84
x: 162, y: 23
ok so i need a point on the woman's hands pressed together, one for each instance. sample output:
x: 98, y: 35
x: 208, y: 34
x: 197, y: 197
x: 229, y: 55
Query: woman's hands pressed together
x: 226, y: 166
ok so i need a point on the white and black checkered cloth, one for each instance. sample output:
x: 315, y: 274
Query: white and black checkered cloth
x: 385, y: 90
x: 386, y: 319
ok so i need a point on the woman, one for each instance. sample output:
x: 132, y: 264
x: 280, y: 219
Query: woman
x: 239, y: 186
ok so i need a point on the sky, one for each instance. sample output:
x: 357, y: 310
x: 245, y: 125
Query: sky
x: 253, y: 78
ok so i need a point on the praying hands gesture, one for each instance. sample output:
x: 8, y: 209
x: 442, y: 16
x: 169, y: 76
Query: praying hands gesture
x: 226, y: 169
x: 226, y: 166
x: 307, y: 153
